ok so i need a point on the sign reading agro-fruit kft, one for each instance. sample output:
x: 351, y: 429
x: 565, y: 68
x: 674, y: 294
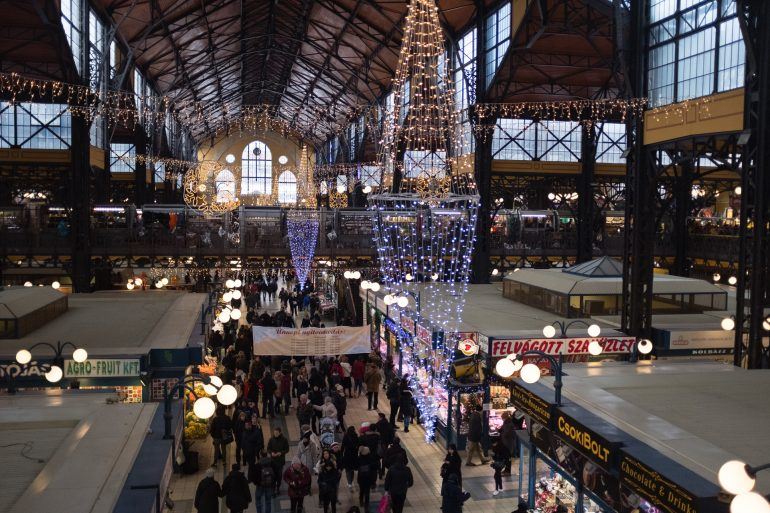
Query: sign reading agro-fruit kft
x: 101, y: 368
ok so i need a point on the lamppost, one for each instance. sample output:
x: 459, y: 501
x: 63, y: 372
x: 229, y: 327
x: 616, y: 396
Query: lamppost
x: 738, y: 479
x: 530, y: 372
x: 729, y: 324
x: 55, y: 370
x: 203, y: 407
x: 401, y: 299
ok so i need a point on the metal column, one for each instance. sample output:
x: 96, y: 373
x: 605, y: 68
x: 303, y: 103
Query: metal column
x: 585, y: 190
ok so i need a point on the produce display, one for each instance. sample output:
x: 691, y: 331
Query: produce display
x: 195, y: 428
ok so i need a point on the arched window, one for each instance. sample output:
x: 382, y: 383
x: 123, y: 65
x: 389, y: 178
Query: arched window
x: 225, y: 186
x: 287, y: 187
x: 256, y: 169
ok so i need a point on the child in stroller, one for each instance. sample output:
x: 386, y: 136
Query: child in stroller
x: 327, y: 429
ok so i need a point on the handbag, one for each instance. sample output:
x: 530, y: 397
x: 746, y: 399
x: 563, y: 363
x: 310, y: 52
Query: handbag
x: 384, y: 506
x: 227, y: 436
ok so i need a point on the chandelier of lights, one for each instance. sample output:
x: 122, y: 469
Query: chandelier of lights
x: 425, y: 217
x: 302, y: 228
x: 212, y: 188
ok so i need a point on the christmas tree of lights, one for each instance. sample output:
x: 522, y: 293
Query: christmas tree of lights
x: 426, y: 207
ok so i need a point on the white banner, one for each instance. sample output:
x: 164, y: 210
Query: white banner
x: 311, y: 341
x: 712, y: 339
x: 564, y: 346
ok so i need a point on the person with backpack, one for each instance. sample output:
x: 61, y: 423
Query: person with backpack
x: 263, y: 477
x: 367, y: 475
x: 297, y: 477
x: 221, y: 431
x: 398, y: 480
x: 252, y: 442
x: 235, y: 489
x: 208, y: 493
x: 452, y: 495
x: 328, y: 481
x: 278, y: 448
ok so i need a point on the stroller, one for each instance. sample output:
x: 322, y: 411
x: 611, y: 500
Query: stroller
x: 327, y: 428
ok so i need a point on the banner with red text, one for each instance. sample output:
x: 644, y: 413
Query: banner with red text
x: 562, y: 346
x: 311, y: 341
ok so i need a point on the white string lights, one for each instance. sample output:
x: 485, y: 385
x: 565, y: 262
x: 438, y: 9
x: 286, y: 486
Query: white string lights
x: 424, y: 225
x: 302, y: 228
x: 211, y: 188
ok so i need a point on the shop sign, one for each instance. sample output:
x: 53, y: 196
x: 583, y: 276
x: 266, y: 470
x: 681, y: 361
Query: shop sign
x: 594, y: 446
x: 484, y: 344
x: 380, y: 303
x: 424, y: 334
x: 31, y: 370
x: 407, y: 324
x: 533, y: 405
x: 664, y: 494
x: 102, y: 368
x: 694, y: 340
x: 562, y: 346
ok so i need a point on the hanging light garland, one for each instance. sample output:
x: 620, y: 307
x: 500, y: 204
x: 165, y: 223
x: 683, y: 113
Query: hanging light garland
x: 424, y: 223
x: 302, y: 228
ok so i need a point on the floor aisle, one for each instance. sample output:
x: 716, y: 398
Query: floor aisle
x: 424, y: 459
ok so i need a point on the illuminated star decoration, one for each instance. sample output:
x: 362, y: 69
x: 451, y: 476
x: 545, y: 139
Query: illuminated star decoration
x: 302, y: 227
x: 424, y: 226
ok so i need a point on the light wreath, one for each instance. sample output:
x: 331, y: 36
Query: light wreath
x: 212, y: 188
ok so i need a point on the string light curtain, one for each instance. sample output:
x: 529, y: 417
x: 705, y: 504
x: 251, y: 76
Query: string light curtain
x: 425, y: 216
x: 212, y: 188
x: 302, y: 228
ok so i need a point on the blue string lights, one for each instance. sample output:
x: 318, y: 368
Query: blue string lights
x: 424, y: 226
x: 302, y: 228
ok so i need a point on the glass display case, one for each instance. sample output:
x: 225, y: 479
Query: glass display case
x: 500, y: 398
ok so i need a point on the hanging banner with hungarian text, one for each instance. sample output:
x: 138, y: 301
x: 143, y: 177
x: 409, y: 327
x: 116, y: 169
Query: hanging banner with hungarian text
x: 563, y: 346
x: 311, y: 341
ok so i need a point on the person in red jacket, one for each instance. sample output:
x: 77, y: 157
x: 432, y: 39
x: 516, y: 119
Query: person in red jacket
x: 297, y: 476
x: 358, y: 376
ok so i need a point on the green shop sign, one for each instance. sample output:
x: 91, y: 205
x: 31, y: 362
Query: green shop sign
x: 102, y: 368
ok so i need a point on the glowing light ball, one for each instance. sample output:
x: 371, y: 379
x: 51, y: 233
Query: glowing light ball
x: 549, y: 331
x: 595, y: 348
x: 374, y: 286
x: 238, y: 283
x: 530, y: 373
x: 237, y: 294
x: 734, y: 479
x: 644, y: 346
x: 130, y: 286
x: 750, y: 502
x: 594, y: 330
x: 56, y: 285
x: 23, y: 356
x: 728, y: 324
x: 80, y: 355
x: 55, y: 374
x: 504, y: 368
x: 229, y: 284
x: 227, y: 395
x: 235, y: 314
x: 403, y: 301
x: 204, y: 408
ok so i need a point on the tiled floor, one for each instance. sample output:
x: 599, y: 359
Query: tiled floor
x: 424, y: 459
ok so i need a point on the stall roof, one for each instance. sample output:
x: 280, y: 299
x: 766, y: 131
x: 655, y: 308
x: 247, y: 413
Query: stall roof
x: 87, y: 447
x: 118, y: 322
x: 699, y: 414
x: 16, y: 302
x: 567, y: 283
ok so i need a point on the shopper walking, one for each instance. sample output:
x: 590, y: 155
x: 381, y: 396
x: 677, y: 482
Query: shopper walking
x: 508, y: 438
x: 308, y: 453
x: 221, y: 431
x: 452, y: 464
x: 501, y: 458
x: 474, y: 438
x: 341, y: 404
x: 268, y: 394
x: 393, y: 393
x: 372, y: 378
x: 328, y: 482
x: 406, y: 407
x: 297, y: 477
x: 398, y: 480
x: 350, y: 454
x: 207, y: 494
x: 367, y: 476
x: 252, y: 442
x: 235, y: 489
x: 277, y: 449
x: 452, y: 495
x: 359, y: 369
x: 264, y: 478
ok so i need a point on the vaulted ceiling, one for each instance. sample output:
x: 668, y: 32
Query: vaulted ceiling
x: 314, y: 60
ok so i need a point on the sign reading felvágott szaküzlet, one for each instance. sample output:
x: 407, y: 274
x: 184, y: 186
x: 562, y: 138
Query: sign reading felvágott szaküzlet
x: 102, y: 368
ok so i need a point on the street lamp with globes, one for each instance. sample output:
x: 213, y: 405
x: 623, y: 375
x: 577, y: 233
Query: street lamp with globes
x: 54, y: 371
x: 738, y: 479
x: 203, y: 407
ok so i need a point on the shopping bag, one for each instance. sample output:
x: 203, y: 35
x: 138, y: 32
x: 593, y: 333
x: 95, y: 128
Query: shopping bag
x: 384, y: 506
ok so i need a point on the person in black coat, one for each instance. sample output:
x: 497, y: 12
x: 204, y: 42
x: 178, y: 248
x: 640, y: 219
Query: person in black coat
x: 407, y: 411
x: 452, y: 464
x: 475, y: 430
x: 328, y: 481
x: 393, y: 394
x: 452, y: 495
x: 220, y: 424
x: 252, y: 442
x: 235, y: 490
x: 268, y: 394
x: 350, y: 454
x: 367, y: 475
x: 397, y: 482
x: 207, y: 494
